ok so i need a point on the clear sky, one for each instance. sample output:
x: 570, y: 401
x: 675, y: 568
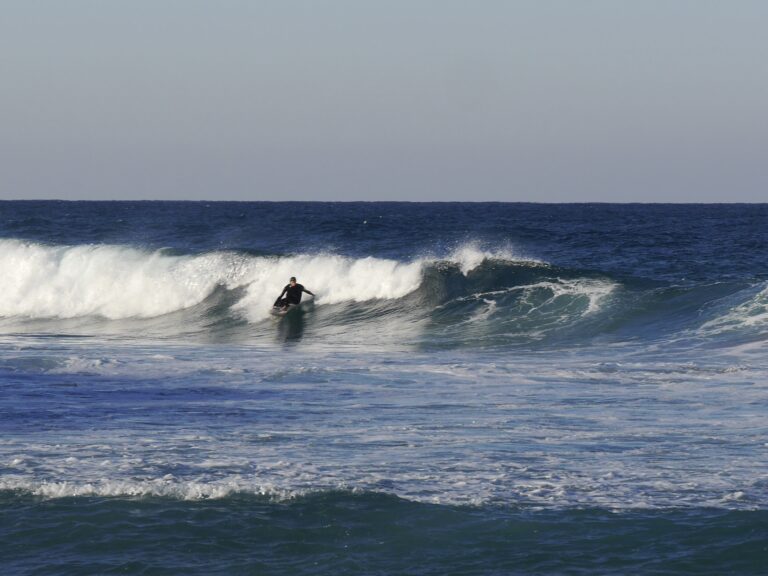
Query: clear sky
x: 530, y: 100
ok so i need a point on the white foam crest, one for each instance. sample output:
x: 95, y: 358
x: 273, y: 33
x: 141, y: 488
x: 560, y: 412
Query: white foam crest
x: 332, y: 278
x: 168, y: 487
x: 114, y: 282
x: 471, y: 255
x: 117, y: 282
x: 620, y: 487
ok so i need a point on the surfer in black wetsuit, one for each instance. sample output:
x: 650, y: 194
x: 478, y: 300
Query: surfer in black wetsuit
x: 292, y: 292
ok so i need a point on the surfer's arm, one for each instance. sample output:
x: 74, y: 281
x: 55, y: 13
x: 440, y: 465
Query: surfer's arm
x: 281, y: 295
x: 307, y: 291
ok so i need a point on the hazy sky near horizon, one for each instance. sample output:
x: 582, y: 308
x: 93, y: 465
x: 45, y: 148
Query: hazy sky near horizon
x: 535, y: 100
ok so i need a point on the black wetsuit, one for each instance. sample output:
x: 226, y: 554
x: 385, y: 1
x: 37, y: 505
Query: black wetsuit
x: 293, y: 295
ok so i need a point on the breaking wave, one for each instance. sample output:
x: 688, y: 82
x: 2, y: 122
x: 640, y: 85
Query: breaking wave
x: 119, y: 282
x: 469, y: 296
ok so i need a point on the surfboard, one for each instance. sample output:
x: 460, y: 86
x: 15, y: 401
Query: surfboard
x: 277, y: 311
x: 305, y: 303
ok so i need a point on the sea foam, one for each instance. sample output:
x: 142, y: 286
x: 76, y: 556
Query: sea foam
x: 751, y: 314
x: 113, y: 282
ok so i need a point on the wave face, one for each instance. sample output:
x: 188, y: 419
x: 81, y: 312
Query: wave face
x: 471, y: 296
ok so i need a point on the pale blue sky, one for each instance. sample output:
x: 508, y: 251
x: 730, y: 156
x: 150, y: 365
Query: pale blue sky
x: 545, y: 100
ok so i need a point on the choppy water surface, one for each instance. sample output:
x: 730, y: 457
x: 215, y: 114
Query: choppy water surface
x: 476, y: 388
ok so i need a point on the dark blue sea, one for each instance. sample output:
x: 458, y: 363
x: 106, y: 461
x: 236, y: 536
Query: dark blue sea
x: 474, y: 389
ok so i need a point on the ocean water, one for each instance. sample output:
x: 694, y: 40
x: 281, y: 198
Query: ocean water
x: 475, y: 389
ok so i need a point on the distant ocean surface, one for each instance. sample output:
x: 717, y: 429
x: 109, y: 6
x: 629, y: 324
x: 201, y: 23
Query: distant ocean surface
x: 475, y: 389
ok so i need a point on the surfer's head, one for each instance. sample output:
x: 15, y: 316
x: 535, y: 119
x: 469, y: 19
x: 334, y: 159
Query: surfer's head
x: 293, y: 280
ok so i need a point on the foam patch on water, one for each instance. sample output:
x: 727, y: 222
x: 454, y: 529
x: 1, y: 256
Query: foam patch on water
x: 159, y: 487
x: 510, y: 485
x: 752, y: 314
x: 548, y: 304
x: 549, y: 431
x: 595, y: 291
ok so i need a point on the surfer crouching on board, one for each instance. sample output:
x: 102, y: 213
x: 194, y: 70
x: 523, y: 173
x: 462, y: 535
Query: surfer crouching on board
x: 292, y: 292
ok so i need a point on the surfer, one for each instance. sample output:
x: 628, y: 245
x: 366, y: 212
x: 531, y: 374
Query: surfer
x: 292, y: 292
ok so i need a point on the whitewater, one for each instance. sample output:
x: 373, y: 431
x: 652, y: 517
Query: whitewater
x: 117, y: 282
x: 471, y: 381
